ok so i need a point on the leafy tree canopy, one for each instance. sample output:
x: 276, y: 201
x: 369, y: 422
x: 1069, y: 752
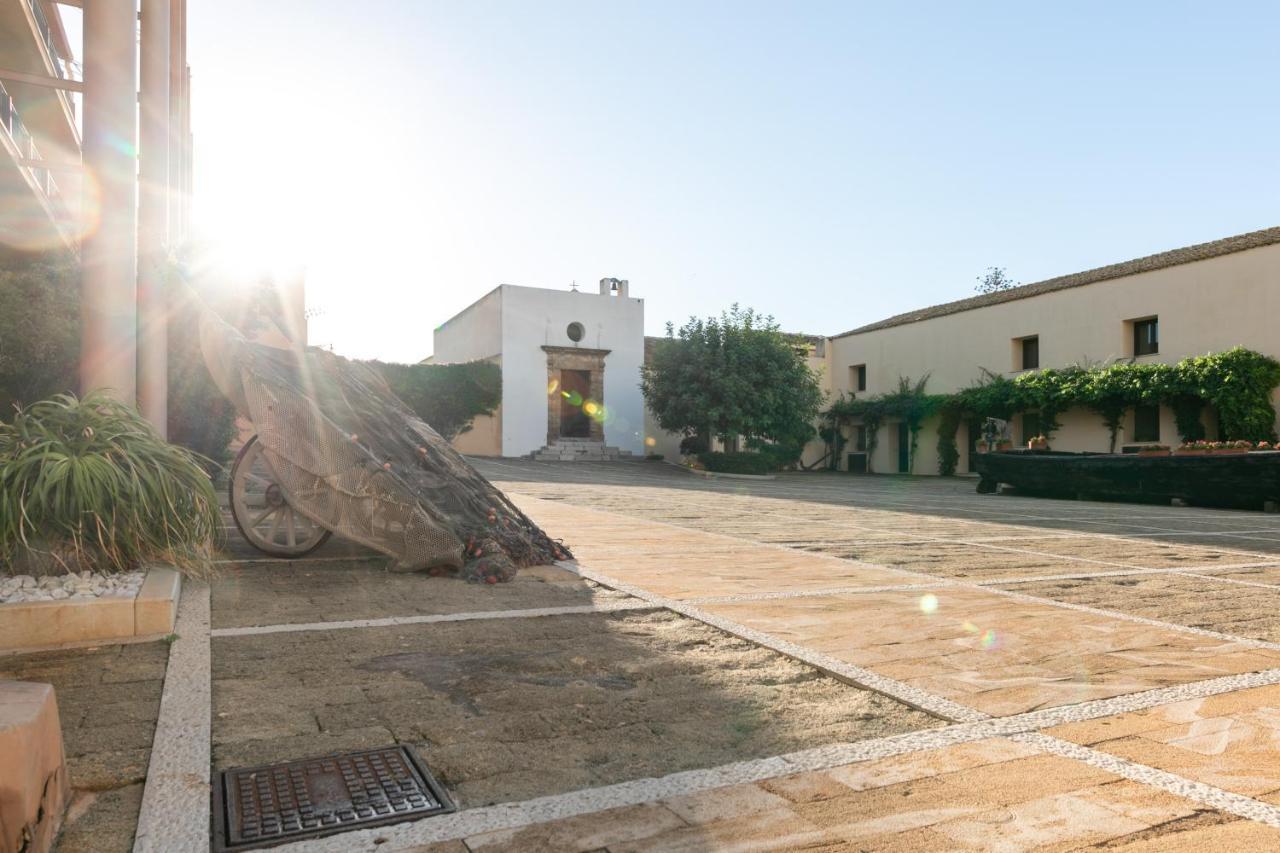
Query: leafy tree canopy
x: 730, y: 376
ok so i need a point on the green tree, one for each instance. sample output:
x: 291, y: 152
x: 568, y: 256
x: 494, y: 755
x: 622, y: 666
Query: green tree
x: 733, y: 376
x: 994, y: 280
x: 448, y: 397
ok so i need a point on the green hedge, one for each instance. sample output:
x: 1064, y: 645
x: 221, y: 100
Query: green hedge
x: 448, y: 397
x: 736, y: 463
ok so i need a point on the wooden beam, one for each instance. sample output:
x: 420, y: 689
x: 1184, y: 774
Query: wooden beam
x: 41, y: 80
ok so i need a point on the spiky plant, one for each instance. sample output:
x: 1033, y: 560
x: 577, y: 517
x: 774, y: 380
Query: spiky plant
x: 88, y: 484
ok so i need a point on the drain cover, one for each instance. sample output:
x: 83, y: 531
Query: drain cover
x: 263, y: 806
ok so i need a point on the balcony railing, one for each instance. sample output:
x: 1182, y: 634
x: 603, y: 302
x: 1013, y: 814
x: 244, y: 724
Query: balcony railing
x: 42, y: 24
x: 27, y: 150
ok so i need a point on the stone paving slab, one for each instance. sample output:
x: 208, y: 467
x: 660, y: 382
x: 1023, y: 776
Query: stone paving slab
x: 562, y: 707
x: 284, y: 592
x: 993, y: 653
x: 997, y: 655
x: 1208, y: 603
x: 1231, y: 741
x: 535, y: 706
x: 987, y: 795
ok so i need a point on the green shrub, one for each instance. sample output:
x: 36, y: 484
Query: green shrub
x: 448, y: 397
x: 88, y: 484
x: 692, y: 445
x: 781, y: 455
x: 736, y: 463
x: 39, y: 330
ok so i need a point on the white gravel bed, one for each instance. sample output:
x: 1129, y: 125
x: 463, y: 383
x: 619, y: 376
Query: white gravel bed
x: 18, y: 589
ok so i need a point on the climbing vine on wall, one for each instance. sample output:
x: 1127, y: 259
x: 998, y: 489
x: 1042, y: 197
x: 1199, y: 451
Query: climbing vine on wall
x: 1238, y: 384
x: 908, y: 403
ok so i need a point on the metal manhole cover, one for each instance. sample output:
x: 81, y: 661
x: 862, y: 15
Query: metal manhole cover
x: 256, y: 807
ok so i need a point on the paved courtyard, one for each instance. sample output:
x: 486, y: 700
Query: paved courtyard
x: 817, y: 661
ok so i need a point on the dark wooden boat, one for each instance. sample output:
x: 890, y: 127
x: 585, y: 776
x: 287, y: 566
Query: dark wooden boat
x: 1240, y: 480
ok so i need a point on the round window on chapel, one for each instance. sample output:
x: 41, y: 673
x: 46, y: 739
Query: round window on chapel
x: 575, y: 332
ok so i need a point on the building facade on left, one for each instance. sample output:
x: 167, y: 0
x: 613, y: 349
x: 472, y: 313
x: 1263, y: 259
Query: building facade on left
x: 96, y: 140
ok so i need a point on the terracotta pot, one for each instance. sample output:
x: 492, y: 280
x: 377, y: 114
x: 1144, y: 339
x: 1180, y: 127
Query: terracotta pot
x: 1228, y: 451
x: 1037, y: 445
x: 982, y: 447
x: 1004, y: 445
x: 1190, y: 452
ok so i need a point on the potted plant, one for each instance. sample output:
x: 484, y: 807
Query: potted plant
x: 1154, y: 450
x: 1230, y: 448
x: 1193, y: 448
x: 983, y: 446
x: 1004, y: 444
x: 1265, y: 447
x: 1039, y: 442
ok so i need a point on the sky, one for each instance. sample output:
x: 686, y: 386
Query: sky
x: 827, y: 163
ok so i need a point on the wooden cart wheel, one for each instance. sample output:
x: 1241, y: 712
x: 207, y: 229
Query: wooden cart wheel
x: 261, y: 512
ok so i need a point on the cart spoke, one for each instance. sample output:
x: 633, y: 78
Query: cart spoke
x: 263, y: 516
x: 257, y: 480
x: 290, y: 531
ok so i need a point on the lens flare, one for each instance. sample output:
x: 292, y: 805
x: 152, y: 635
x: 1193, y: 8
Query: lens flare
x: 928, y: 604
x: 553, y: 386
x: 650, y: 441
x: 990, y: 639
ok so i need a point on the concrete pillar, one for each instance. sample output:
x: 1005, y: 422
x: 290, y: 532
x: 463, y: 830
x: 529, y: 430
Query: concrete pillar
x: 109, y: 319
x: 153, y: 216
x: 177, y: 119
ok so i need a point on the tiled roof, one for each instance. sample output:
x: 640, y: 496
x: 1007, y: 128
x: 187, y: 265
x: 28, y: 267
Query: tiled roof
x: 1185, y: 255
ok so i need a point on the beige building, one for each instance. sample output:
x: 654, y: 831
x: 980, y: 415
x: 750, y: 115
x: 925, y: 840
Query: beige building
x: 1162, y: 308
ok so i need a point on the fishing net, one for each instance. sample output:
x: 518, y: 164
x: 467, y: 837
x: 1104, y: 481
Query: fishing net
x: 349, y: 455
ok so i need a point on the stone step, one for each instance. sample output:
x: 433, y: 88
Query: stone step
x: 580, y: 450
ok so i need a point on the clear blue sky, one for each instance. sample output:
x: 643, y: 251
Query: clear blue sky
x: 829, y: 163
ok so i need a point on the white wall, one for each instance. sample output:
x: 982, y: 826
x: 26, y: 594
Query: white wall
x: 533, y: 318
x: 473, y: 333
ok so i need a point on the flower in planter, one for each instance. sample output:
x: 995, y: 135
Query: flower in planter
x: 1265, y: 445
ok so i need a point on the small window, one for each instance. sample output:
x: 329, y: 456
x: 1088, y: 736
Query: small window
x: 1031, y: 353
x: 1146, y: 423
x: 1146, y: 336
x: 858, y: 377
x: 860, y: 439
x: 575, y: 331
x: 1030, y: 426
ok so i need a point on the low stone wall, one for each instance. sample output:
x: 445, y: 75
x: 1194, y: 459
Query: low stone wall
x: 48, y: 624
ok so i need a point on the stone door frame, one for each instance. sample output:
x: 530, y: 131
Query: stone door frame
x: 574, y: 358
